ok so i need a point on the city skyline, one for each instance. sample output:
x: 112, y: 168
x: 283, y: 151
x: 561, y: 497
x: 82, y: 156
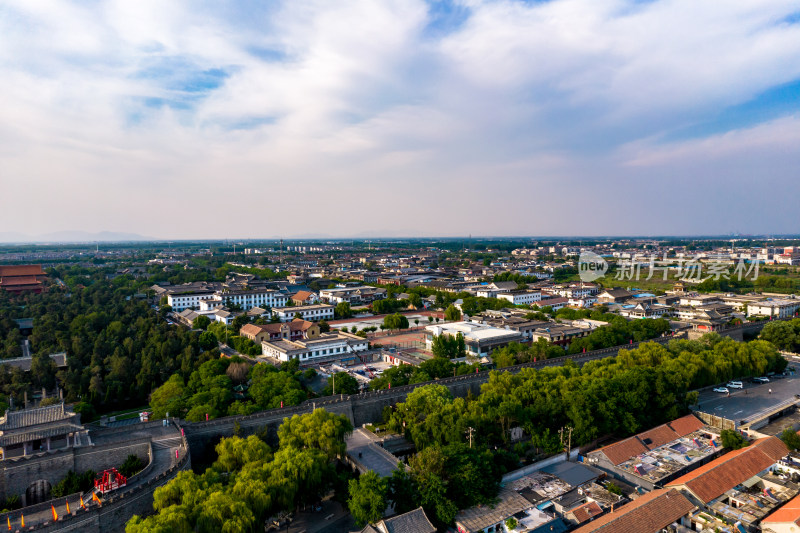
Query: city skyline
x: 199, y: 121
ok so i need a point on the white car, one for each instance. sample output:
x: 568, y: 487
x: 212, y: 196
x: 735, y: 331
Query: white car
x: 723, y: 390
x: 735, y: 385
x: 761, y: 380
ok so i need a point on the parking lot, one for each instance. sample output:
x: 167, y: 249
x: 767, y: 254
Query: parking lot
x: 751, y: 401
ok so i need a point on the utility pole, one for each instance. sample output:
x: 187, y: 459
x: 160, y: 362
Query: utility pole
x: 470, y: 432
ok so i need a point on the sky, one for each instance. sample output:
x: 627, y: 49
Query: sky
x: 263, y: 119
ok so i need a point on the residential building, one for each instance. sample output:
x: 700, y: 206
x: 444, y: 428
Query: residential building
x: 650, y: 513
x: 560, y: 334
x: 326, y: 345
x: 774, y: 308
x: 244, y: 299
x: 415, y: 521
x: 294, y: 330
x: 352, y: 295
x: 784, y: 520
x: 313, y: 313
x: 521, y: 297
x: 305, y: 298
x: 554, y: 303
x: 492, y: 518
x: 22, y: 278
x: 660, y: 454
x: 614, y: 296
x: 480, y: 339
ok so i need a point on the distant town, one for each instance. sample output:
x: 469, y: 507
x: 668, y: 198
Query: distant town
x: 491, y: 385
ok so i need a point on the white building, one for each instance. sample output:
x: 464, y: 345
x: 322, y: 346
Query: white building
x: 521, y: 297
x: 774, y: 308
x: 480, y: 339
x: 180, y: 301
x: 312, y: 313
x: 352, y: 295
x: 245, y: 299
x: 327, y: 345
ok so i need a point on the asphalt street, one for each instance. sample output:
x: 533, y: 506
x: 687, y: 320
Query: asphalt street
x: 754, y: 399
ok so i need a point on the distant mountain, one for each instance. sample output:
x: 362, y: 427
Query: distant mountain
x: 72, y: 236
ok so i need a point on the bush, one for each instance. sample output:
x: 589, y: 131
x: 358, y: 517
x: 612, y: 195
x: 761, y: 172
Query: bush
x: 73, y: 483
x: 131, y: 466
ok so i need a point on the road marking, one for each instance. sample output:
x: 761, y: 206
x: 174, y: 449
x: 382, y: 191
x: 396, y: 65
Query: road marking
x: 737, y: 412
x: 718, y: 408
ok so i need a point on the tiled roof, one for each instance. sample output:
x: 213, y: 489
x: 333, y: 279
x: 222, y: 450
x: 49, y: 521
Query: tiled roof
x: 32, y: 417
x: 415, y: 521
x: 302, y: 295
x: 9, y: 281
x: 586, y: 512
x: 658, y: 436
x: 646, y: 514
x: 621, y: 451
x: 722, y: 474
x: 482, y: 516
x: 789, y: 513
x: 686, y: 425
x: 21, y: 270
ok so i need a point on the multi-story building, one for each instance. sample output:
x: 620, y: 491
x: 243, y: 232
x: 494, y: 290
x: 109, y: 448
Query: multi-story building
x: 244, y: 299
x: 295, y: 330
x: 191, y: 297
x: 352, y: 295
x: 306, y: 351
x: 521, y: 297
x: 313, y: 313
x: 774, y: 308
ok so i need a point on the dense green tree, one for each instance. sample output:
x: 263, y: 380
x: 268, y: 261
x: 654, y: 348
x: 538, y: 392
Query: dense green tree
x: 342, y: 310
x: 318, y: 430
x: 791, y: 439
x: 395, y: 321
x: 452, y: 313
x: 201, y: 322
x: 341, y: 383
x: 367, y: 501
x: 732, y: 440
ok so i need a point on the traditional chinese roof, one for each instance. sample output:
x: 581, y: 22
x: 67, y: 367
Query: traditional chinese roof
x: 651, y: 512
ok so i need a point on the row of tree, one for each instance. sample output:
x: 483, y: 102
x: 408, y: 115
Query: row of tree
x: 250, y: 482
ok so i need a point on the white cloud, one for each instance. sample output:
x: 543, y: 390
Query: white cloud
x: 354, y: 112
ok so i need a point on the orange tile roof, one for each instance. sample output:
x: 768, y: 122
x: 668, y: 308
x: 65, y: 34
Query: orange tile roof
x: 658, y: 436
x: 686, y: 424
x: 648, y: 513
x: 786, y: 514
x: 301, y: 295
x: 621, y: 451
x: 713, y: 479
x: 21, y: 270
x: 587, y: 511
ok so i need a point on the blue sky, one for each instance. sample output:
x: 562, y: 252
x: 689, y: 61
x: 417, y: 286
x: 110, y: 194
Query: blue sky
x: 400, y: 117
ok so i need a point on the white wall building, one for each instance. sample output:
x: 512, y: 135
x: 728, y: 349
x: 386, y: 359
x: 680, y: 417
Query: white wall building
x: 307, y: 350
x: 188, y: 300
x: 245, y: 299
x: 521, y: 297
x: 774, y: 308
x: 480, y: 339
x: 312, y: 313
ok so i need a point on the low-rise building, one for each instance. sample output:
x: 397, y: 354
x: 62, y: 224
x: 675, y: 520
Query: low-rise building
x: 352, y: 295
x: 521, y: 297
x: 244, y: 299
x: 305, y: 298
x: 480, y: 339
x: 293, y: 330
x: 313, y: 313
x: 326, y: 345
x: 774, y: 308
x: 650, y: 513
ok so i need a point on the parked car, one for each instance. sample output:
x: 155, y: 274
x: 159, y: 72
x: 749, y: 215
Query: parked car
x: 761, y: 379
x: 723, y: 390
x: 735, y: 385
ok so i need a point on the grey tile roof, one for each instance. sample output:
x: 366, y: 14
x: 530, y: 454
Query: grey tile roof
x: 33, y: 417
x: 482, y: 516
x: 415, y: 521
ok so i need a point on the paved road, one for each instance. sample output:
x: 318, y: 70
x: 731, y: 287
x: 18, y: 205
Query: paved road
x: 754, y: 399
x: 364, y: 450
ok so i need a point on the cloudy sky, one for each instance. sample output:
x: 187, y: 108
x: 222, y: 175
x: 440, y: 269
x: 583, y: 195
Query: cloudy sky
x: 266, y: 118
